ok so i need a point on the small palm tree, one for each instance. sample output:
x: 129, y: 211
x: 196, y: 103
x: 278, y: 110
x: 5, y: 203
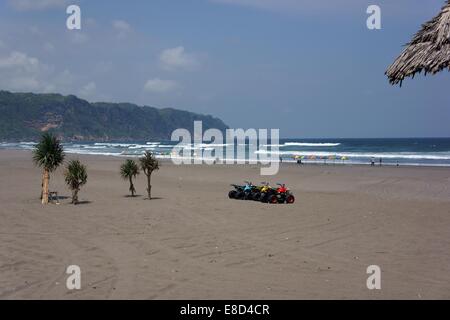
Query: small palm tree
x: 75, y: 176
x: 48, y: 155
x: 148, y: 165
x: 128, y: 170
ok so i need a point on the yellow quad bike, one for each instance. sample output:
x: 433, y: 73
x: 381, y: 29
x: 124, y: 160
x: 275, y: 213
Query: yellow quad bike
x: 263, y: 192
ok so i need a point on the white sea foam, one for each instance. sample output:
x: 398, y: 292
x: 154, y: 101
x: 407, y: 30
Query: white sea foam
x: 88, y: 152
x: 165, y: 146
x: 303, y: 144
x: 203, y: 145
x: 399, y: 155
x: 441, y: 158
x: 310, y: 144
x: 119, y: 145
x: 143, y: 146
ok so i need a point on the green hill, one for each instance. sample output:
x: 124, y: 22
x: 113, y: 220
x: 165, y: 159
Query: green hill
x: 24, y: 116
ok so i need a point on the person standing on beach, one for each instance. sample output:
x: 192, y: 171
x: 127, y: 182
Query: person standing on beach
x: 381, y: 162
x: 372, y: 161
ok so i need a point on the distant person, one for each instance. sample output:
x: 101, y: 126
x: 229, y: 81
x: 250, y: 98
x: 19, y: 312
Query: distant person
x: 372, y: 162
x: 281, y: 160
x: 381, y: 162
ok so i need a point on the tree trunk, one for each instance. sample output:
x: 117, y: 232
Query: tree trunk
x: 42, y: 186
x: 149, y: 186
x: 131, y: 186
x: 75, y: 196
x: 46, y: 178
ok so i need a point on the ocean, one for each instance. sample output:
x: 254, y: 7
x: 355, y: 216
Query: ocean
x: 405, y: 151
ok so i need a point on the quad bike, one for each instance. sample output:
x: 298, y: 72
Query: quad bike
x: 281, y: 195
x: 237, y: 193
x: 266, y: 193
x: 257, y: 190
x: 249, y: 190
x: 244, y: 192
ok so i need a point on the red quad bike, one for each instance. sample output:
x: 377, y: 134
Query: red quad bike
x: 282, y: 195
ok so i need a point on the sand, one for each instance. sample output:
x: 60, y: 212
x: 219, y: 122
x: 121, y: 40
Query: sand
x: 192, y: 242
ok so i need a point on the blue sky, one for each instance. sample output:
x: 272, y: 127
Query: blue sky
x: 308, y: 67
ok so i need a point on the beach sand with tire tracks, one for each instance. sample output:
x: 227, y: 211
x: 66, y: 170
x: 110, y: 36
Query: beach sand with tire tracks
x: 192, y: 242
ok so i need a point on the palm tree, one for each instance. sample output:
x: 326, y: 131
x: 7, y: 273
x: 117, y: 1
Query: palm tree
x: 75, y: 176
x: 128, y: 170
x: 148, y: 165
x: 48, y: 154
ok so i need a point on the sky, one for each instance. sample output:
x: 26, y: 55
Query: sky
x: 310, y: 68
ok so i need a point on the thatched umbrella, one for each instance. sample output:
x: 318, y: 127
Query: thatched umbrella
x: 429, y: 50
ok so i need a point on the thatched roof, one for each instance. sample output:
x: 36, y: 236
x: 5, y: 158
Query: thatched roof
x: 429, y: 50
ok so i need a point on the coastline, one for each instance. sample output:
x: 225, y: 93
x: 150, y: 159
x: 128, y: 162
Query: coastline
x: 390, y: 151
x: 192, y: 242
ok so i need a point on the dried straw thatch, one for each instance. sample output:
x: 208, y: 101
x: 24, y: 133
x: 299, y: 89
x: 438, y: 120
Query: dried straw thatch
x: 429, y: 50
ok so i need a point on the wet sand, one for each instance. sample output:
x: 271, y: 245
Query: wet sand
x: 192, y: 242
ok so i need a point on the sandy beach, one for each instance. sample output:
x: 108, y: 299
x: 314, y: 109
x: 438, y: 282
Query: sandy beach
x: 192, y: 242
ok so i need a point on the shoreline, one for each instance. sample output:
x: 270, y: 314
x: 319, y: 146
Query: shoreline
x: 285, y: 161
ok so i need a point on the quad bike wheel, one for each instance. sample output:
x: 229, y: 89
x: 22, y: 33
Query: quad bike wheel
x: 232, y: 194
x: 290, y: 199
x: 273, y: 199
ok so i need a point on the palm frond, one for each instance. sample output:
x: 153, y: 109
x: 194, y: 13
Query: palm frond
x: 149, y: 163
x: 75, y: 174
x: 129, y: 169
x: 48, y: 153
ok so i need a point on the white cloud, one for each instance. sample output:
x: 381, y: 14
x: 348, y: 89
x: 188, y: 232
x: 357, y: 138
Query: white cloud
x: 88, y: 90
x: 122, y: 28
x: 21, y: 72
x: 24, y: 5
x: 176, y: 58
x: 19, y: 61
x: 160, y: 86
x: 24, y: 84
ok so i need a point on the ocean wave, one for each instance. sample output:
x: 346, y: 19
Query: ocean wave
x: 354, y: 155
x: 116, y: 145
x: 90, y: 147
x: 88, y: 152
x: 165, y: 146
x: 303, y: 144
x: 143, y: 146
x: 399, y: 155
x: 310, y: 144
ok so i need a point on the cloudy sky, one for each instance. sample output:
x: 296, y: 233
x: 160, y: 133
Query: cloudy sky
x: 308, y: 67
